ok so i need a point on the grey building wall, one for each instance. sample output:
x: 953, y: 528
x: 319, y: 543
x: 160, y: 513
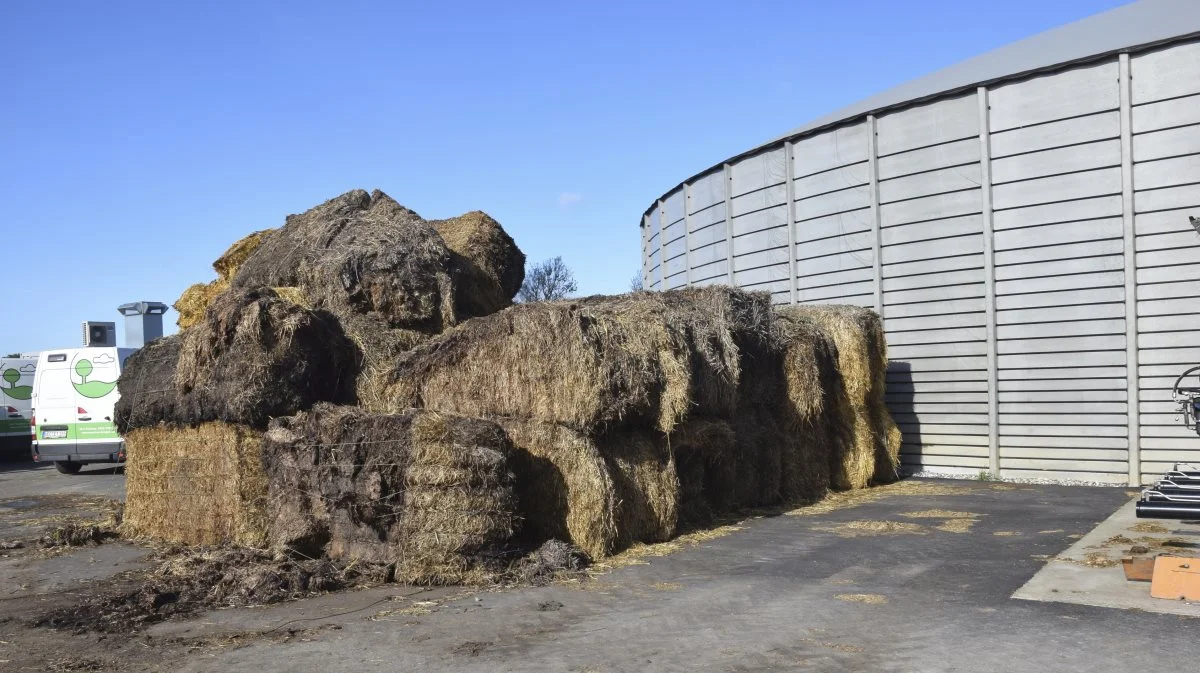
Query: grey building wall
x: 1026, y: 242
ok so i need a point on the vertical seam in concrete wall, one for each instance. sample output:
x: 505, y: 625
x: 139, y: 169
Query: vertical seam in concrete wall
x: 728, y: 171
x: 687, y: 231
x: 647, y: 280
x: 876, y: 233
x: 789, y: 172
x: 989, y: 279
x: 1131, y: 335
x: 662, y: 248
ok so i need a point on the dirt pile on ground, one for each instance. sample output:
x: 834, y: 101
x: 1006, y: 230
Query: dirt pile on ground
x: 206, y: 579
x: 429, y: 492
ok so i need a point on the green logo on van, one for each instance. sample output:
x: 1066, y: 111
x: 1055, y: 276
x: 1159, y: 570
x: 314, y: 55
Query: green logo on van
x: 11, y: 377
x: 91, y: 389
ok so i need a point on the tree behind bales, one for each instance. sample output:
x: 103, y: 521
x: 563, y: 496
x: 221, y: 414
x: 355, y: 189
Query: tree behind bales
x: 547, y: 281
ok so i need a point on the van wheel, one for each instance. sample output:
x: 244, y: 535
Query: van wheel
x: 68, y: 466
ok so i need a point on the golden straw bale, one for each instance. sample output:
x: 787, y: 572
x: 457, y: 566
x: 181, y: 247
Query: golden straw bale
x: 198, y: 486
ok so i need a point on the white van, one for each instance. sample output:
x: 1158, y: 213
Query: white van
x: 16, y: 391
x: 74, y: 395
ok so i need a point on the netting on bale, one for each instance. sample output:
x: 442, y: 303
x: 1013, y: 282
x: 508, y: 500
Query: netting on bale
x: 198, y: 486
x: 871, y: 451
x: 254, y: 356
x: 431, y: 493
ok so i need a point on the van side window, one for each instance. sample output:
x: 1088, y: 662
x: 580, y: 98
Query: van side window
x: 57, y: 357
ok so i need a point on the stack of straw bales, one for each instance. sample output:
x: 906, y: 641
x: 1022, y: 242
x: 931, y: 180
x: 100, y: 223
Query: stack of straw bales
x: 303, y: 315
x: 430, y: 492
x: 635, y: 414
x: 412, y: 416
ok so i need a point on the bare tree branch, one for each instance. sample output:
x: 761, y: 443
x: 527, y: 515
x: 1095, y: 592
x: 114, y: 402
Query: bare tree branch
x: 547, y: 281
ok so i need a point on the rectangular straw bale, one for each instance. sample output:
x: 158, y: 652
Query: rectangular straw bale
x: 868, y: 454
x: 198, y: 486
x: 563, y: 486
x: 707, y: 454
x: 427, y: 491
x: 602, y: 493
x: 643, y: 360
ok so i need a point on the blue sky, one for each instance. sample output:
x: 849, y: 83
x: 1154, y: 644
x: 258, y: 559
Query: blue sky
x: 138, y: 140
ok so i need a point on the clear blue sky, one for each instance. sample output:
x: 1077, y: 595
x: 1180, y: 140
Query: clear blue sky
x: 138, y: 140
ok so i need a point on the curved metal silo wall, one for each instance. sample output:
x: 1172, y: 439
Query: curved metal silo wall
x: 1027, y: 243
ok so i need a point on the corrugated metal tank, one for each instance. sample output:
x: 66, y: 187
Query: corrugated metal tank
x: 1025, y: 238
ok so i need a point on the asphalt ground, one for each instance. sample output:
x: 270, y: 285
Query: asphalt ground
x: 865, y: 587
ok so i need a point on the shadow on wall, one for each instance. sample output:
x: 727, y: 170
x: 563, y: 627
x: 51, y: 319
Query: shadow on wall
x: 899, y: 397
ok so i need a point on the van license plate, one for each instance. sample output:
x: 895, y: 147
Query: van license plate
x: 54, y: 434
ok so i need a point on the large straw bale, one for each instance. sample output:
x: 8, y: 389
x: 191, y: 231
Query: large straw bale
x: 429, y: 492
x: 196, y: 486
x: 255, y: 356
x: 488, y: 266
x: 564, y: 486
x: 646, y: 484
x: 707, y: 454
x: 643, y: 360
x: 360, y: 253
x: 870, y: 455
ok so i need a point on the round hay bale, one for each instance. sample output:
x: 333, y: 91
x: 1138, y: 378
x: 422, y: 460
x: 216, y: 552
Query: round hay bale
x: 488, y: 266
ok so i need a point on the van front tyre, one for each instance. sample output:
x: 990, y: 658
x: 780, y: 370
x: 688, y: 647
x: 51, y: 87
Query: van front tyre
x: 68, y: 466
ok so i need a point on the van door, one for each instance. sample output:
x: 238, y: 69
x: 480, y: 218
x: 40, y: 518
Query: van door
x: 94, y: 378
x: 54, y: 407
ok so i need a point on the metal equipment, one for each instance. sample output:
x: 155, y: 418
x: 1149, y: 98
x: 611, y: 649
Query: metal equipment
x: 1176, y: 495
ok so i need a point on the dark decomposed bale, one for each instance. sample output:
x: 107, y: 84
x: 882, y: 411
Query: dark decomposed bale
x: 255, y: 356
x: 430, y: 492
x: 360, y: 253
